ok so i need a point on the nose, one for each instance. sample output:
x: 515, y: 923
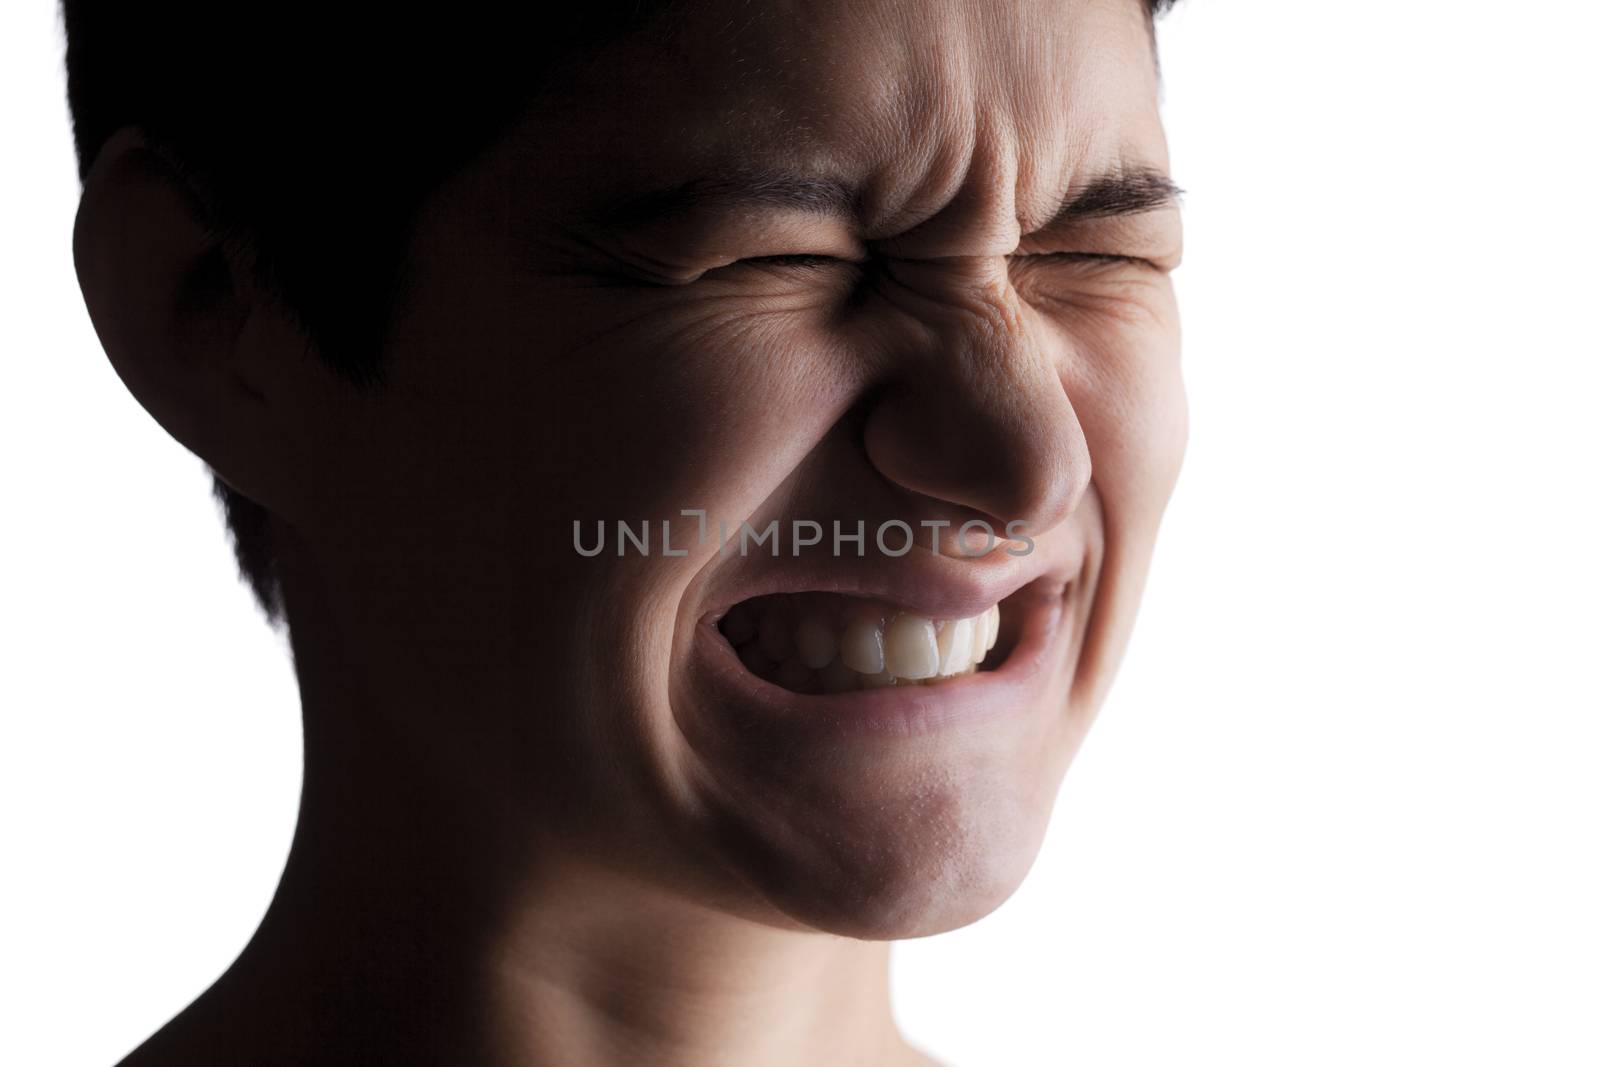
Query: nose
x: 976, y: 413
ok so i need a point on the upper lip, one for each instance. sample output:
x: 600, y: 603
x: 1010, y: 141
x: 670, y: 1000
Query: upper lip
x: 938, y: 587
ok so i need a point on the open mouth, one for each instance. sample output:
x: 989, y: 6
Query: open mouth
x: 821, y: 643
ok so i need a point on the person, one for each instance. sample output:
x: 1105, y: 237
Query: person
x: 706, y: 456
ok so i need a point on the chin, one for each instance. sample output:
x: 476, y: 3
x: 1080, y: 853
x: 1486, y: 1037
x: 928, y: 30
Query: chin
x: 883, y: 811
x: 951, y: 859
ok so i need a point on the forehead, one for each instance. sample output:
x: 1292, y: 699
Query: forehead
x: 916, y: 103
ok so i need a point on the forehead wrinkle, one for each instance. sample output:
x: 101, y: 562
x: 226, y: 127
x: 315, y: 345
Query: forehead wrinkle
x: 1047, y: 139
x: 931, y: 106
x: 1008, y: 116
x: 926, y: 129
x: 1097, y: 122
x: 895, y: 102
x: 989, y: 135
x: 1053, y: 104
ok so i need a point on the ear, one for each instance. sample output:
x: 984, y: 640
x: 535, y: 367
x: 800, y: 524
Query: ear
x: 180, y: 320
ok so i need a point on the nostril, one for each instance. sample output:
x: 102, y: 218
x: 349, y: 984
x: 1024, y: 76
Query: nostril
x: 1031, y: 468
x: 981, y: 419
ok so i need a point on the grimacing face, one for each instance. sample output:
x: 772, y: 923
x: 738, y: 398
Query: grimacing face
x: 649, y: 297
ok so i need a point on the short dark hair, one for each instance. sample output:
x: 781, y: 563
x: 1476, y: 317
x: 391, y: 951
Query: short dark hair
x: 312, y: 139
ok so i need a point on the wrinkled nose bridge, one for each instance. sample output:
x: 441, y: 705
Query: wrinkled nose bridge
x: 958, y: 296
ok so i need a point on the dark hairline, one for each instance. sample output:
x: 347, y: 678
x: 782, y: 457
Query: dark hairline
x: 94, y: 88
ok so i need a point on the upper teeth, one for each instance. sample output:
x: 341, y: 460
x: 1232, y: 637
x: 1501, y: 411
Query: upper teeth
x: 875, y: 646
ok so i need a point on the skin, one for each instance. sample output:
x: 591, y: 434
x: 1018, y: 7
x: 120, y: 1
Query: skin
x: 531, y: 832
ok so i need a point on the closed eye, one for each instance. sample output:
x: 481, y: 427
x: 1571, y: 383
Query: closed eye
x: 797, y: 259
x: 793, y: 266
x: 1092, y: 257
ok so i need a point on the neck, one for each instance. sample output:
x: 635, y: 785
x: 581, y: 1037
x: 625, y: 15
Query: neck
x: 417, y: 922
x: 626, y: 979
x: 380, y: 939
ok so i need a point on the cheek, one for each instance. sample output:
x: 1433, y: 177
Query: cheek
x: 689, y: 407
x: 1126, y: 385
x: 617, y: 404
x: 1127, y: 388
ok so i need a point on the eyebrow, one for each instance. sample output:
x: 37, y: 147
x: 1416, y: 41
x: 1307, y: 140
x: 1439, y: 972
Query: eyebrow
x: 1129, y: 191
x: 1126, y: 191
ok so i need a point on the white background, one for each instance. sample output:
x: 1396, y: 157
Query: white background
x: 1341, y: 807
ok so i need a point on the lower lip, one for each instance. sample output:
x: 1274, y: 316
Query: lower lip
x: 970, y: 700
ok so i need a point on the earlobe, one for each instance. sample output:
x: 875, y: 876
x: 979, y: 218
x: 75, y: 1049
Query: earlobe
x: 169, y: 306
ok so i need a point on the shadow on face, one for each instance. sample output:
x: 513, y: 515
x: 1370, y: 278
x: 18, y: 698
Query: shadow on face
x: 862, y: 262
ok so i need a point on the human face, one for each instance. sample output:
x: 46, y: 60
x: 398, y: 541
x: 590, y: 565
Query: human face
x: 796, y: 261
